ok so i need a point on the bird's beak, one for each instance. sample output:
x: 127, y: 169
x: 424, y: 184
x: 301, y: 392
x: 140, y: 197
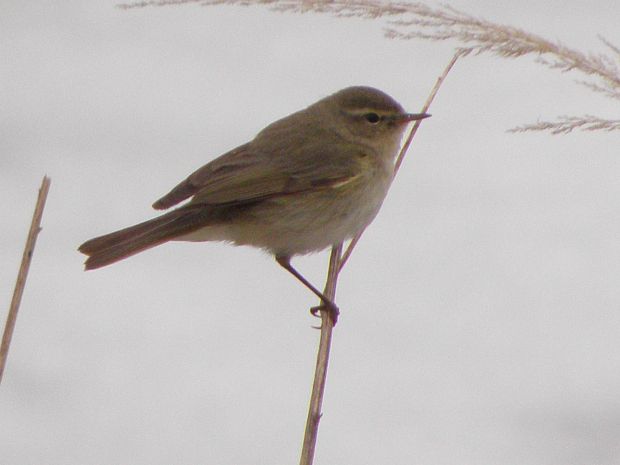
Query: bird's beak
x: 407, y: 117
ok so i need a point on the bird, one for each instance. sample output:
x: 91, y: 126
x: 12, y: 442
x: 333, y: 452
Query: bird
x: 306, y: 182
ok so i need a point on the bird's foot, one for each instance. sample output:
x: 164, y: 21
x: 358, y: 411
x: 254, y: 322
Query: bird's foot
x: 326, y: 306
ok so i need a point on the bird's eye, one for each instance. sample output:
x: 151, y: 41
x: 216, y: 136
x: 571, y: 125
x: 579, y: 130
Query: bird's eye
x: 372, y: 118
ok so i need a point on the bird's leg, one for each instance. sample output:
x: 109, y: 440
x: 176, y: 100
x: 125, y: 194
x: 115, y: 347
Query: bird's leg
x: 285, y: 262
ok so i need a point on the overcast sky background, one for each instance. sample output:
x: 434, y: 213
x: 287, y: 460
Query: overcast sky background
x: 480, y: 312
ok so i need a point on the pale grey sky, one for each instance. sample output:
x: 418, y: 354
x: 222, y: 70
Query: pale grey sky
x: 480, y: 312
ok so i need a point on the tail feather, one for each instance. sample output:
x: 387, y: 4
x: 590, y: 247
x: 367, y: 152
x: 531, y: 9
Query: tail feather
x: 110, y: 248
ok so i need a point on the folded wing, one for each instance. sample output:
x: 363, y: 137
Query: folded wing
x: 246, y: 176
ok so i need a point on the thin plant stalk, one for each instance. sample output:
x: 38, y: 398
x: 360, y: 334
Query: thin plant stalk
x: 322, y: 360
x: 407, y: 143
x: 336, y: 263
x: 35, y: 228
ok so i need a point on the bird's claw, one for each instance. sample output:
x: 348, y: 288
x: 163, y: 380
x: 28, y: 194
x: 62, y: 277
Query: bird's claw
x: 330, y: 307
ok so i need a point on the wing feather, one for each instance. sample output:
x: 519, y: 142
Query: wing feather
x: 244, y: 176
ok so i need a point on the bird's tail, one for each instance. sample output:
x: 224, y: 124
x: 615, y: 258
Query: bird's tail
x: 110, y: 248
